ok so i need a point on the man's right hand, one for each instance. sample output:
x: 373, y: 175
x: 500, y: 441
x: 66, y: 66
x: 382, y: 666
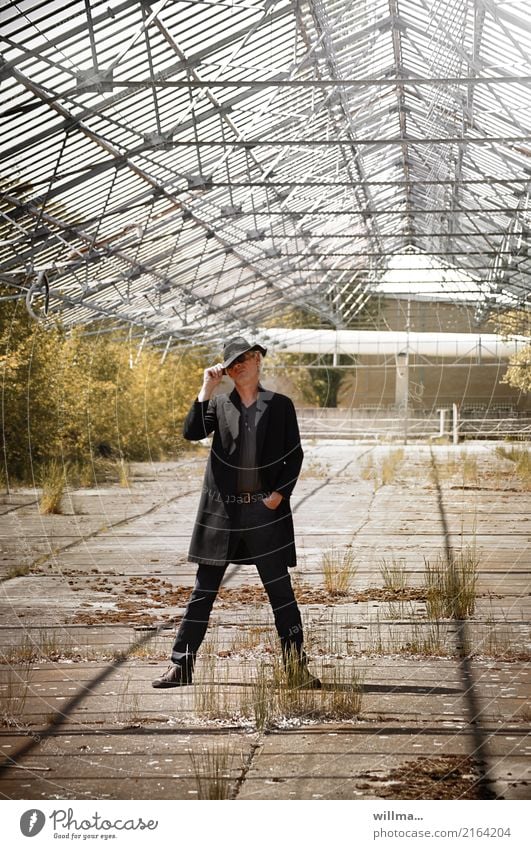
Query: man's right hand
x: 211, y: 378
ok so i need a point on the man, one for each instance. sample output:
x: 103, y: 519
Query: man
x: 244, y: 513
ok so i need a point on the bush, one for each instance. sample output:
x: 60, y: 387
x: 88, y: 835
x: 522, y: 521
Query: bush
x: 76, y: 397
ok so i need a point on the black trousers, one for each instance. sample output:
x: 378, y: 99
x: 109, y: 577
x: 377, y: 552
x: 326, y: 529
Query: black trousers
x: 277, y: 584
x: 246, y: 546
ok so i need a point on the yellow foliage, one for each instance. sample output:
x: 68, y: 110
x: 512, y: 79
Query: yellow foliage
x: 517, y: 322
x: 79, y: 397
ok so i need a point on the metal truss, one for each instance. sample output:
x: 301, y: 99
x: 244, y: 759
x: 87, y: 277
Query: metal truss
x: 192, y: 169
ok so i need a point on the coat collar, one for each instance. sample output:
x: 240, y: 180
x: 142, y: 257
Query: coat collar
x: 263, y: 398
x: 233, y: 407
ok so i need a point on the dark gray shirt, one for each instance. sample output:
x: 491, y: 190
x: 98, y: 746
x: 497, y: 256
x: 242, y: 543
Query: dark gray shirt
x: 248, y: 474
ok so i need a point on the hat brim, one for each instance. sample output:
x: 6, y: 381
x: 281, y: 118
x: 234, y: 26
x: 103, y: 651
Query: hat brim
x: 235, y: 356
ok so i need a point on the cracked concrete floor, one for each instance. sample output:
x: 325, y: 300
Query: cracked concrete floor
x: 90, y: 623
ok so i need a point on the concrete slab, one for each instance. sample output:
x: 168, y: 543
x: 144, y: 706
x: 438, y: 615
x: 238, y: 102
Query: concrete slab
x: 116, y: 562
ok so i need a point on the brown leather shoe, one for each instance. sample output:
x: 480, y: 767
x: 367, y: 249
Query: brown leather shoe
x: 175, y: 676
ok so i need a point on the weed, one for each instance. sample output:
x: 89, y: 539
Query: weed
x: 458, y: 463
x: 124, y: 473
x: 213, y: 771
x: 53, y: 481
x: 339, y: 571
x: 521, y: 458
x: 393, y: 573
x: 47, y: 645
x: 128, y: 706
x: 211, y: 694
x: 502, y: 640
x: 469, y: 469
x: 400, y: 610
x: 523, y: 713
x: 263, y: 698
x: 17, y: 571
x: 14, y: 688
x: 315, y: 469
x: 386, y: 471
x: 429, y: 639
x: 343, y: 695
x: 368, y: 471
x: 340, y: 698
x: 83, y: 473
x: 451, y: 585
x: 391, y: 465
x: 253, y: 637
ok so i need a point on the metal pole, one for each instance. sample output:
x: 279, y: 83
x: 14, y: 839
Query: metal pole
x: 455, y: 423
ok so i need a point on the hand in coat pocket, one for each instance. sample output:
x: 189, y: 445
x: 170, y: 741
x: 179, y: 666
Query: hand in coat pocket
x: 272, y: 501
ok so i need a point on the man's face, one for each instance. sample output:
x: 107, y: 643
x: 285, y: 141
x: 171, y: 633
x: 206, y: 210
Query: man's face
x: 245, y: 368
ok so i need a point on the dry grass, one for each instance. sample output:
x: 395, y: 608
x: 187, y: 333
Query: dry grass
x: 523, y: 713
x: 53, y: 482
x: 128, y: 705
x: 268, y: 696
x: 521, y: 458
x: 17, y: 572
x: 428, y: 639
x: 458, y: 464
x: 275, y: 698
x: 124, y: 473
x: 391, y: 465
x: 211, y: 695
x: 368, y: 471
x: 339, y: 571
x: 214, y: 771
x: 253, y: 637
x: 393, y: 573
x: 503, y: 639
x: 14, y: 689
x: 262, y: 706
x: 384, y: 471
x: 451, y: 586
x: 49, y: 645
x: 315, y: 469
x: 340, y: 698
x: 469, y: 469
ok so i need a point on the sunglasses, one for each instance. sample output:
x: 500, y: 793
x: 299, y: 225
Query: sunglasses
x: 242, y: 359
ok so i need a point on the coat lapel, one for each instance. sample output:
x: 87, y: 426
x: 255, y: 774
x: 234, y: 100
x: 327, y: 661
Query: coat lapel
x: 262, y: 416
x: 232, y: 408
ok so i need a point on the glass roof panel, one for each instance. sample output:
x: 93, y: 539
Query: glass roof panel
x: 171, y: 163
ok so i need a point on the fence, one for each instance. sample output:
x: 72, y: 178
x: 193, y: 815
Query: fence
x: 334, y: 423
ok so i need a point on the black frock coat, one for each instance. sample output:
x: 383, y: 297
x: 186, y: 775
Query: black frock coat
x: 279, y: 458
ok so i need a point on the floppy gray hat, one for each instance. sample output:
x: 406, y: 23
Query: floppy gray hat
x: 235, y: 347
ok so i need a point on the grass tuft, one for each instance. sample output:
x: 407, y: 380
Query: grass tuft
x: 339, y: 571
x: 521, y: 458
x: 214, y: 771
x: 14, y: 689
x: 124, y: 473
x: 451, y: 586
x: 262, y: 698
x: 386, y: 471
x: 393, y: 573
x: 391, y: 465
x: 53, y: 482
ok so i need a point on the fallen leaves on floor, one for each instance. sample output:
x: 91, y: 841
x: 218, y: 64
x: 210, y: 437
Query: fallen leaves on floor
x: 446, y: 777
